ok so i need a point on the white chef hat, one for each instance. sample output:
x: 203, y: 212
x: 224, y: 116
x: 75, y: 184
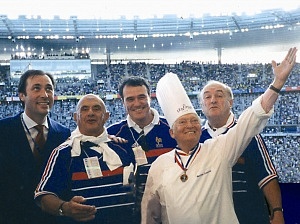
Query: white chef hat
x: 172, y: 98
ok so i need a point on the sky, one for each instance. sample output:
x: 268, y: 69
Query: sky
x: 114, y: 9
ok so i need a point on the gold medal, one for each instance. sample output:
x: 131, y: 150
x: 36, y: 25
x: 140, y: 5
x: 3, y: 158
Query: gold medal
x: 184, y: 177
x: 191, y: 156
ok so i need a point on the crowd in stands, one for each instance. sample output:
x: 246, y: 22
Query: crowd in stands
x: 49, y: 56
x: 282, y: 134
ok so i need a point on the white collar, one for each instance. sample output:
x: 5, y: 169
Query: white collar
x: 147, y: 128
x: 217, y: 131
x: 31, y: 123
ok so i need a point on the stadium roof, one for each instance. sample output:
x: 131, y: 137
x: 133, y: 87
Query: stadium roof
x: 137, y: 30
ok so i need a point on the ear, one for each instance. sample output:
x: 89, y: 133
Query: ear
x: 231, y: 103
x: 22, y: 96
x: 171, y: 133
x: 106, y: 116
x: 75, y: 116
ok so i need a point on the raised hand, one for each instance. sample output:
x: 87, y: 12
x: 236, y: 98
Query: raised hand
x: 282, y: 71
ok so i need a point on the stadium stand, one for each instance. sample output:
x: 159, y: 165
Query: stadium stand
x: 282, y: 133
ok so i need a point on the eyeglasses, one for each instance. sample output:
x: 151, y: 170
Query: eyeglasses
x: 183, y: 122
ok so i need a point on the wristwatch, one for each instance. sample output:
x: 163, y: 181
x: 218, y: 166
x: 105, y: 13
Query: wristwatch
x: 60, y: 210
x: 277, y: 209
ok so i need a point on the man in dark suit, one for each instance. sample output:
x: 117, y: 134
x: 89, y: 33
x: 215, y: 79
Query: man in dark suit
x: 22, y: 155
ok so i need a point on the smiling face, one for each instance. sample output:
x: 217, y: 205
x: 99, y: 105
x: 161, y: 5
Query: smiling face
x: 137, y: 104
x: 38, y: 97
x: 91, y: 115
x: 186, y: 130
x: 216, y: 104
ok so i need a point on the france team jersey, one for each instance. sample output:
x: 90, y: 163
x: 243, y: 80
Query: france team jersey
x: 158, y: 142
x: 66, y: 177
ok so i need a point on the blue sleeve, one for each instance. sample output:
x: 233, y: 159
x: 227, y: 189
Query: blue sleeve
x: 260, y: 161
x: 56, y: 176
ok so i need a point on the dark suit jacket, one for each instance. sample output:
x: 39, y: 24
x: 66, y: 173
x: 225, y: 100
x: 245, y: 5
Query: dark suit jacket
x: 20, y: 173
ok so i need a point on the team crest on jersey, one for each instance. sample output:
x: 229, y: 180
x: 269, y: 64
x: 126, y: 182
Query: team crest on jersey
x: 158, y: 142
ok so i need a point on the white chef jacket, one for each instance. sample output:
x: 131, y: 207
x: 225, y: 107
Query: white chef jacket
x: 206, y: 197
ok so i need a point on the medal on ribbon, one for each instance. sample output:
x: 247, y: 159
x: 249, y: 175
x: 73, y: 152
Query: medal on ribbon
x: 184, y: 177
